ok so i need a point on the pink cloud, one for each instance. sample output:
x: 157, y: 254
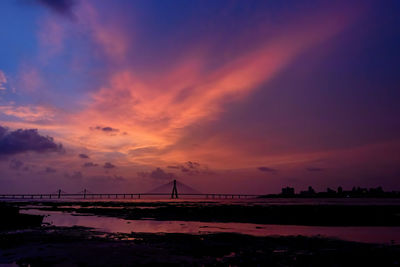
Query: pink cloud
x: 3, y: 80
x: 157, y: 106
x: 29, y: 113
x: 106, y: 34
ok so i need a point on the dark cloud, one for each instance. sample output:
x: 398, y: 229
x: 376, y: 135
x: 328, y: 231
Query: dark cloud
x: 315, y: 169
x: 16, y: 164
x: 83, y: 156
x: 90, y: 164
x: 21, y: 141
x: 158, y: 173
x: 106, y: 129
x: 62, y: 7
x: 266, y: 169
x: 50, y: 170
x: 108, y: 165
x: 191, y: 168
x: 109, y: 129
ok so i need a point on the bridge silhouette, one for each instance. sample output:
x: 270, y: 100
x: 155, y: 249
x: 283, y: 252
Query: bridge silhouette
x: 174, y: 189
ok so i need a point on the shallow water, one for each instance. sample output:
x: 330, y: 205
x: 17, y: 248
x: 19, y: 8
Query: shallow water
x: 387, y: 235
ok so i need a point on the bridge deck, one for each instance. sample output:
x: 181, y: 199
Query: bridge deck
x: 119, y: 195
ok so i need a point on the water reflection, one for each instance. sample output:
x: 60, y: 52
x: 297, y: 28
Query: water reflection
x: 390, y: 235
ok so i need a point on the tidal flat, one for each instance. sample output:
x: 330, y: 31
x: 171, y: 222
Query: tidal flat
x: 76, y: 246
x: 240, y: 212
x: 200, y: 233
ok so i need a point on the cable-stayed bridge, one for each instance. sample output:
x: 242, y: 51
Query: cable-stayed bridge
x: 169, y: 187
x: 173, y: 189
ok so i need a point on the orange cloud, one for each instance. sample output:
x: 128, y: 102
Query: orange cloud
x: 154, y: 108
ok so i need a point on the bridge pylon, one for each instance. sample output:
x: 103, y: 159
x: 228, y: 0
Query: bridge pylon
x: 174, y: 193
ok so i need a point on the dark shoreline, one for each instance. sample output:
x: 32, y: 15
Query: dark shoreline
x: 308, y: 215
x: 34, y: 245
x: 11, y: 218
x: 77, y: 246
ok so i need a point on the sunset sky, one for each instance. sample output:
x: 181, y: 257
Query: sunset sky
x: 225, y: 96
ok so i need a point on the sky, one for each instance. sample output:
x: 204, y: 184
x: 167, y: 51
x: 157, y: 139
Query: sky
x: 224, y: 96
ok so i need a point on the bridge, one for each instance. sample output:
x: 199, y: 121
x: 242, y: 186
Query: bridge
x: 184, y: 191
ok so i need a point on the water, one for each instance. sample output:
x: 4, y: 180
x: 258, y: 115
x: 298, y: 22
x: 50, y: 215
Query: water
x: 386, y: 235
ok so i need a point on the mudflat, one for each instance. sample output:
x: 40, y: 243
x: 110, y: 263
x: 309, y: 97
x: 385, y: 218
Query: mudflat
x: 36, y: 244
x: 75, y: 246
x: 314, y: 215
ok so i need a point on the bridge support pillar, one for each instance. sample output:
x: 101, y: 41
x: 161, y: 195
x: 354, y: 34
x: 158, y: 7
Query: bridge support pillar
x: 174, y: 191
